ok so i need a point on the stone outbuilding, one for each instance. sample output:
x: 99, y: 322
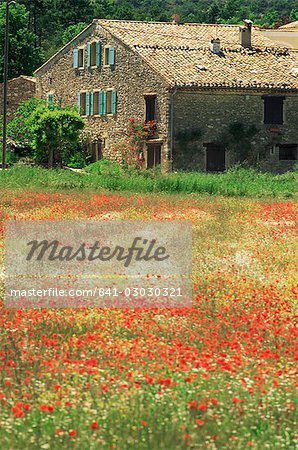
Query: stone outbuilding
x: 19, y: 89
x: 220, y: 94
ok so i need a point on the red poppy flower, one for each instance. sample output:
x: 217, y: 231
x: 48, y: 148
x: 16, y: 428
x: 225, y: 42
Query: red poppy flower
x: 202, y: 407
x: 17, y: 412
x: 200, y: 422
x: 192, y: 404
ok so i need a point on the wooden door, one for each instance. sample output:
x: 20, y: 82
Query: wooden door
x: 215, y: 157
x: 153, y: 155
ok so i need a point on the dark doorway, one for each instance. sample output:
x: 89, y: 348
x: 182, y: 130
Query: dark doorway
x: 153, y: 155
x: 96, y: 150
x: 215, y: 157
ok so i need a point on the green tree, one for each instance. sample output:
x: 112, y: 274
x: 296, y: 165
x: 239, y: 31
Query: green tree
x: 72, y: 31
x: 213, y: 13
x: 293, y: 15
x: 48, y: 19
x: 50, y: 130
x: 18, y: 129
x: 24, y: 55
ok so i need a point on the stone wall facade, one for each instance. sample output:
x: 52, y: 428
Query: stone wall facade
x: 202, y: 117
x: 130, y: 77
x: 19, y: 89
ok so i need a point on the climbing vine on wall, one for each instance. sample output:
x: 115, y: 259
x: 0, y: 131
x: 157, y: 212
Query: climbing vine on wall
x: 238, y: 139
x: 130, y: 151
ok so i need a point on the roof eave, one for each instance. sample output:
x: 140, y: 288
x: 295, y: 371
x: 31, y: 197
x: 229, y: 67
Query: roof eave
x: 235, y: 88
x: 64, y: 49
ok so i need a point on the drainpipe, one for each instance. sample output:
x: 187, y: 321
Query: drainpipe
x: 174, y: 92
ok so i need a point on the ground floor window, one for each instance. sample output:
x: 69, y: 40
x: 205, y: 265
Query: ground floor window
x: 153, y: 155
x: 288, y: 152
x: 215, y: 157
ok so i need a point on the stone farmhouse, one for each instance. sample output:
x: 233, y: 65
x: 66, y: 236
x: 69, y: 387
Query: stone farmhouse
x: 220, y: 93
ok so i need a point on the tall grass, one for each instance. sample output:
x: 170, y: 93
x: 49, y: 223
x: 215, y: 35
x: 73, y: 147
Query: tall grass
x: 237, y: 182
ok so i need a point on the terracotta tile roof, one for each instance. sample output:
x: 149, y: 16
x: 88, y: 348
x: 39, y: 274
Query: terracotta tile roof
x: 290, y: 26
x: 22, y: 77
x: 181, y: 54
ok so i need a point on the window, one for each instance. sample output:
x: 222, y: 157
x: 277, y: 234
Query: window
x: 150, y: 108
x: 108, y: 102
x: 153, y: 155
x: 82, y: 103
x: 93, y: 54
x: 78, y: 58
x: 288, y: 152
x: 273, y: 110
x: 109, y: 56
x: 96, y: 103
x: 50, y: 99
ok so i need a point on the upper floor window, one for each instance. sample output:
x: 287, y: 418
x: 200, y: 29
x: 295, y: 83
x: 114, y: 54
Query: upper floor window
x: 93, y: 54
x: 78, y: 58
x: 150, y: 101
x: 109, y: 56
x: 273, y: 110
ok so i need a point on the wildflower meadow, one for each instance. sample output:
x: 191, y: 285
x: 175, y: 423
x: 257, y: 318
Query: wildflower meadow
x: 218, y: 375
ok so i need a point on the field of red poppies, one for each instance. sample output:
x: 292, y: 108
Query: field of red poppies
x: 220, y: 375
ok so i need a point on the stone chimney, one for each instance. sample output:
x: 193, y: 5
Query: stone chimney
x: 245, y: 34
x: 215, y: 46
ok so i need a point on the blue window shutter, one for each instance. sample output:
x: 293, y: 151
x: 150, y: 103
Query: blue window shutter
x: 99, y: 102
x: 112, y: 56
x: 104, y: 101
x: 89, y: 54
x: 50, y: 99
x: 75, y: 58
x: 79, y: 102
x: 98, y: 54
x: 91, y: 103
x: 114, y: 102
x: 100, y: 99
x: 87, y: 103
